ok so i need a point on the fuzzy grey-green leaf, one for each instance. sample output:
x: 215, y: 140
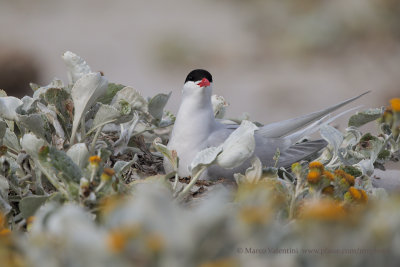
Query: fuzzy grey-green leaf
x: 157, y: 104
x: 79, y: 154
x: 29, y: 205
x: 112, y: 90
x: 3, y: 128
x: 361, y: 118
x: 132, y: 96
x: 10, y: 140
x: 204, y: 158
x: 37, y: 124
x: 60, y: 161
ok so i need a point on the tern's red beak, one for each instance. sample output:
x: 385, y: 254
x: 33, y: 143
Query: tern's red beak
x: 203, y: 83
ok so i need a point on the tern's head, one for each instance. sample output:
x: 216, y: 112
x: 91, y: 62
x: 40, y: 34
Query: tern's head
x: 198, y: 81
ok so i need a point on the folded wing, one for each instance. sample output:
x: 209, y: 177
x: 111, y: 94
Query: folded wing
x: 282, y: 128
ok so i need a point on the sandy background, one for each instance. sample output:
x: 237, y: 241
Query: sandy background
x: 272, y: 59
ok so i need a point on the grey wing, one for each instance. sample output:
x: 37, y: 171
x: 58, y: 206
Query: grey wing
x: 282, y: 128
x: 301, y: 151
x: 220, y: 134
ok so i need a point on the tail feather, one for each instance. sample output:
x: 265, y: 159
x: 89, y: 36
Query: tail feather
x: 279, y: 129
x: 315, y: 126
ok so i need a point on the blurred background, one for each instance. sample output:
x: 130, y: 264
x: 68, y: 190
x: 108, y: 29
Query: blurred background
x: 273, y: 59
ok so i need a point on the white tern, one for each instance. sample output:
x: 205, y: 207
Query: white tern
x: 196, y: 129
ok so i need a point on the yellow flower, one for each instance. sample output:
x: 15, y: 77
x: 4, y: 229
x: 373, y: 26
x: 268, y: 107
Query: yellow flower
x: 357, y: 195
x: 329, y: 176
x: 254, y: 215
x: 350, y: 179
x: 329, y: 190
x: 345, y: 177
x: 155, y: 243
x: 107, y: 174
x: 395, y: 103
x: 324, y: 210
x: 95, y: 161
x: 316, y: 165
x: 116, y: 241
x: 313, y: 177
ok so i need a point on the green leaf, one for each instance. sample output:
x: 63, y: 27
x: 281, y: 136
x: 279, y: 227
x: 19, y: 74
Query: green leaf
x: 29, y: 205
x: 110, y: 114
x: 205, y: 157
x: 361, y: 118
x: 79, y: 154
x: 112, y: 90
x: 59, y: 98
x: 332, y: 136
x: 31, y: 144
x: 37, y: 124
x: 4, y: 187
x: 157, y: 104
x: 238, y: 147
x: 60, y: 161
x: 8, y: 106
x: 10, y: 140
x: 42, y: 90
x: 3, y: 128
x: 28, y: 106
x: 171, y: 155
x: 121, y: 166
x: 132, y: 96
x: 85, y: 93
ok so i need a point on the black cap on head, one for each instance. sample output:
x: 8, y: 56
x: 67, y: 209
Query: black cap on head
x: 198, y: 75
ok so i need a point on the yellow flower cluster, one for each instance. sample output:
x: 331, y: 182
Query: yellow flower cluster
x: 329, y: 176
x: 395, y: 104
x: 313, y: 177
x: 316, y: 170
x: 316, y: 165
x: 357, y: 195
x: 344, y: 178
x: 323, y: 210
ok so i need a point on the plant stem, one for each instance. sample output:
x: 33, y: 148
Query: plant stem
x: 297, y: 189
x: 96, y: 136
x: 94, y: 170
x: 191, y: 184
x: 176, y: 180
x: 55, y: 183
